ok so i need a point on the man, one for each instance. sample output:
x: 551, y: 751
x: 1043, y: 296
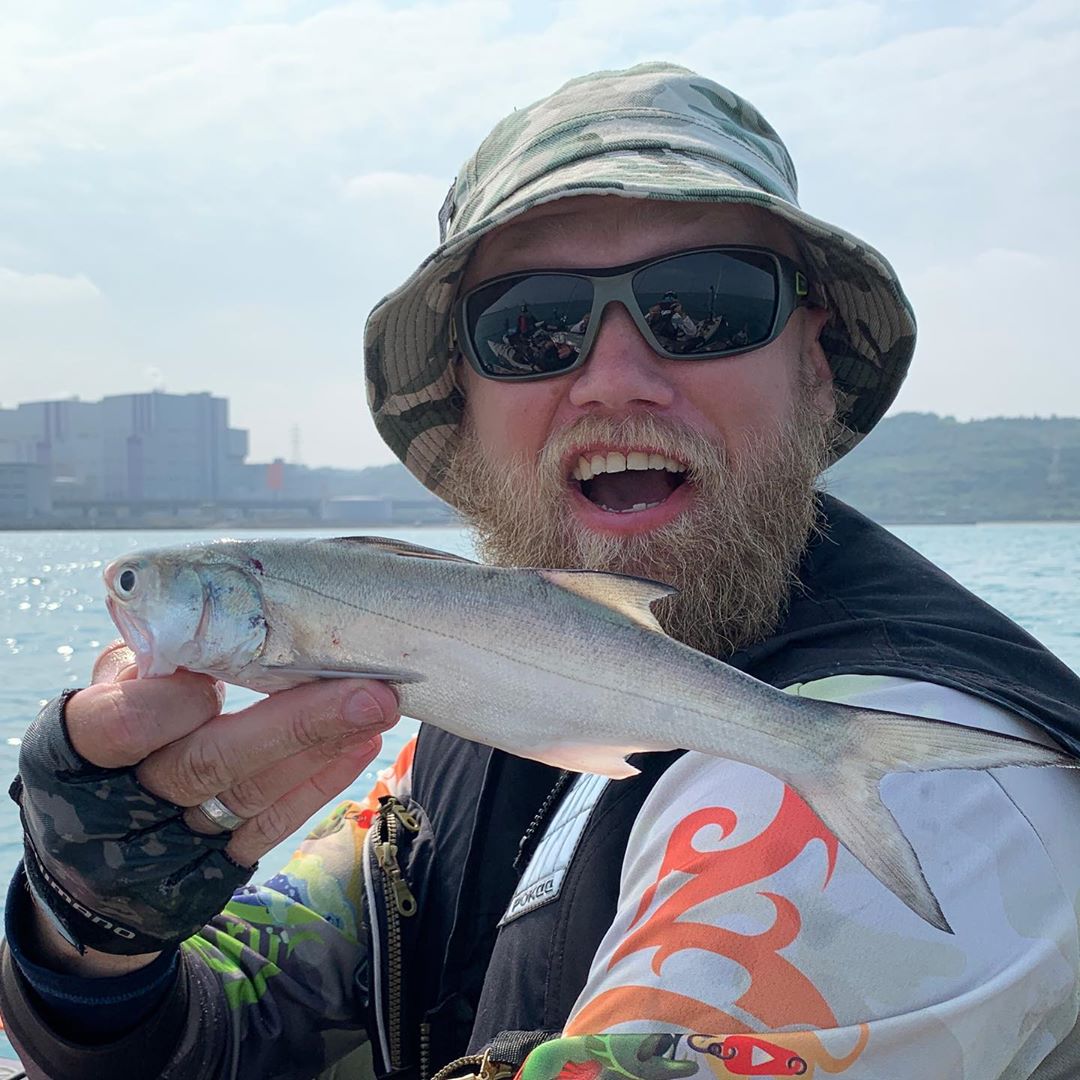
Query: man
x: 696, y: 919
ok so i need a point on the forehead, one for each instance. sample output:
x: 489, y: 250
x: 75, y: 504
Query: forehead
x: 610, y: 230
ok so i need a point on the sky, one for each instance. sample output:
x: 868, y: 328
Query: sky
x: 211, y: 196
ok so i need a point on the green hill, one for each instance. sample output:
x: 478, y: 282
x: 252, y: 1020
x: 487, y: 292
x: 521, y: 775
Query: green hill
x: 919, y: 467
x: 914, y: 467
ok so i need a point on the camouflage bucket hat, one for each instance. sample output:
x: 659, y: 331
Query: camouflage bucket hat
x: 655, y: 131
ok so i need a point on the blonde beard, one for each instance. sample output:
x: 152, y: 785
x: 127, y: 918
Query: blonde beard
x: 732, y: 556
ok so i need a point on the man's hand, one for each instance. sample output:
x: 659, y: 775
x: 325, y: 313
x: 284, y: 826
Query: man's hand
x: 274, y: 764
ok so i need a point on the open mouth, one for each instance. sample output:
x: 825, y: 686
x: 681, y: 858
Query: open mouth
x: 627, y: 481
x: 135, y: 632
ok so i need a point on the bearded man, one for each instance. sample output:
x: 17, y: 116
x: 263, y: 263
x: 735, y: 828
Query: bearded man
x: 494, y: 913
x: 726, y: 523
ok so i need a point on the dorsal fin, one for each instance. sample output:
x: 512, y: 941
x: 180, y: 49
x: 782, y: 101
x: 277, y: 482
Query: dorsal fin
x: 400, y: 547
x: 630, y: 596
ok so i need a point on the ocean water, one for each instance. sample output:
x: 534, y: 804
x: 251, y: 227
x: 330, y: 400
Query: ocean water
x: 53, y: 620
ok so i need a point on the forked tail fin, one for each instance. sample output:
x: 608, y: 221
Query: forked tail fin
x: 850, y: 805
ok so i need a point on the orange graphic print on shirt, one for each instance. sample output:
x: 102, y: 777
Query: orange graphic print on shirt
x: 779, y: 994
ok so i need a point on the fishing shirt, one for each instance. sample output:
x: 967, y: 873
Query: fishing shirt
x: 746, y: 941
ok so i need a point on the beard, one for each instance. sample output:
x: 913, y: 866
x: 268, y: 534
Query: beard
x: 732, y: 556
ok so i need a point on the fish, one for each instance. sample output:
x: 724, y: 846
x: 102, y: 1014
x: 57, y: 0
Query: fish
x: 567, y: 667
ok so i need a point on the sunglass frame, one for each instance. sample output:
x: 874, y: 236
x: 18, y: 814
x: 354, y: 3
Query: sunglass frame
x: 616, y: 284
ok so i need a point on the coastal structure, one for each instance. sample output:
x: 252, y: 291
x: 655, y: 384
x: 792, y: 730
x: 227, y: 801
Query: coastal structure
x: 25, y: 493
x: 171, y: 460
x: 128, y: 446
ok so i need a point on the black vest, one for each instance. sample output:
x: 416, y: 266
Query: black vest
x: 868, y: 605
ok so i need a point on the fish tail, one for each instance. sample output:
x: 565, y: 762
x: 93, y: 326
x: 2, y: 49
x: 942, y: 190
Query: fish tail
x: 875, y: 744
x: 901, y: 743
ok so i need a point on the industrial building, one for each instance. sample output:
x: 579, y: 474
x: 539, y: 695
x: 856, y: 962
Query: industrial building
x: 25, y: 494
x: 129, y: 446
x: 172, y: 459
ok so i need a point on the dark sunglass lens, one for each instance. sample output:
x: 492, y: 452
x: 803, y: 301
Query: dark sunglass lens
x: 529, y: 325
x: 709, y: 301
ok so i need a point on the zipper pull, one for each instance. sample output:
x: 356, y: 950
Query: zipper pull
x: 404, y: 900
x: 386, y: 852
x: 386, y: 856
x: 405, y: 817
x: 493, y: 1070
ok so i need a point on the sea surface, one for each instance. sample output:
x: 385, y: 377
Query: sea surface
x: 53, y: 620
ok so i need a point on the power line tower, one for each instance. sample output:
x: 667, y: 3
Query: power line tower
x: 295, y: 441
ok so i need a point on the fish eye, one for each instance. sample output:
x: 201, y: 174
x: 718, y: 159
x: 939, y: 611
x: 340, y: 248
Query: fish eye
x: 126, y: 581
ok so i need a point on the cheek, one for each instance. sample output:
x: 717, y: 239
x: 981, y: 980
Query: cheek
x: 511, y: 418
x: 753, y: 392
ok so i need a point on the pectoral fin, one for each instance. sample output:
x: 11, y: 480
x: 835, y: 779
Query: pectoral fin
x: 382, y: 674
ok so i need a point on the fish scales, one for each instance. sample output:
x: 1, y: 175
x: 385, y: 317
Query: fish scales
x: 566, y: 667
x: 527, y: 627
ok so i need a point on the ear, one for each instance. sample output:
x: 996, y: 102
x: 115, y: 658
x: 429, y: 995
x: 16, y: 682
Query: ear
x: 816, y: 363
x: 459, y: 375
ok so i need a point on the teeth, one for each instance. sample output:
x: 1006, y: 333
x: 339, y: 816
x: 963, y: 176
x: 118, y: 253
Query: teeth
x: 631, y: 510
x: 615, y: 462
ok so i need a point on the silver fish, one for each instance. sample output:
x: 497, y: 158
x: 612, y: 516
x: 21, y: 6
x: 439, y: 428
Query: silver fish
x: 567, y: 667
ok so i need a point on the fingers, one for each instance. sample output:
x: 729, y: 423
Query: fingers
x: 116, y: 661
x: 281, y: 818
x: 229, y: 750
x: 115, y: 724
x: 250, y: 797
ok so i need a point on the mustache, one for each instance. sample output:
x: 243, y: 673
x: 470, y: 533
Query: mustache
x: 669, y: 437
x: 732, y: 555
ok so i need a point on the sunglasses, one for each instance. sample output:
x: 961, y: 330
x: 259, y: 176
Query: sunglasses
x: 694, y: 305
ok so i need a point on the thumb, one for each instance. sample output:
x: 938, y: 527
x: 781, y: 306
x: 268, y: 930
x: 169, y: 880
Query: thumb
x: 113, y: 663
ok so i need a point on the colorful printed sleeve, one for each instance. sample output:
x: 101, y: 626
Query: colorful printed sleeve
x: 748, y: 942
x: 276, y: 985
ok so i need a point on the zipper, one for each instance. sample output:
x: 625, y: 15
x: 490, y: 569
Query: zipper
x: 525, y: 844
x: 399, y: 904
x: 482, y: 1065
x: 425, y: 1051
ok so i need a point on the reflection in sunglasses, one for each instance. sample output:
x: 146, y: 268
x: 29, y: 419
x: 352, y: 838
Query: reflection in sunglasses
x: 699, y: 304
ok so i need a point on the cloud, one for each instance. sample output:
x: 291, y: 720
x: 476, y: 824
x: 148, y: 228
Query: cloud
x: 244, y: 181
x: 20, y: 288
x: 156, y: 81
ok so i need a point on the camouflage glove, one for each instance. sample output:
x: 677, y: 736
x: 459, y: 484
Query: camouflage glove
x: 116, y: 867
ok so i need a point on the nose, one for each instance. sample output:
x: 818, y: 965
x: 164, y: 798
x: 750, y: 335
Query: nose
x: 621, y: 370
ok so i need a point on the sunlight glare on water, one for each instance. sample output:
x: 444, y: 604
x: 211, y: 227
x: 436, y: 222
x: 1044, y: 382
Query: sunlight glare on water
x: 53, y: 620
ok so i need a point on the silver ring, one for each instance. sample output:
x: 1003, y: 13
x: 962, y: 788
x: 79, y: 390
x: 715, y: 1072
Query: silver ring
x: 217, y: 813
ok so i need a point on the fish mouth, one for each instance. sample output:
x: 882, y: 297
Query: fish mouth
x: 139, y: 638
x: 620, y: 488
x: 136, y: 634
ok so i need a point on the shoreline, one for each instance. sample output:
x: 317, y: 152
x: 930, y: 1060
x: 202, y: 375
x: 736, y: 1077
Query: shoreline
x: 349, y: 528
x: 358, y: 528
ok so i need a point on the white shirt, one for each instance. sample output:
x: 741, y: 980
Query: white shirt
x: 742, y: 923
